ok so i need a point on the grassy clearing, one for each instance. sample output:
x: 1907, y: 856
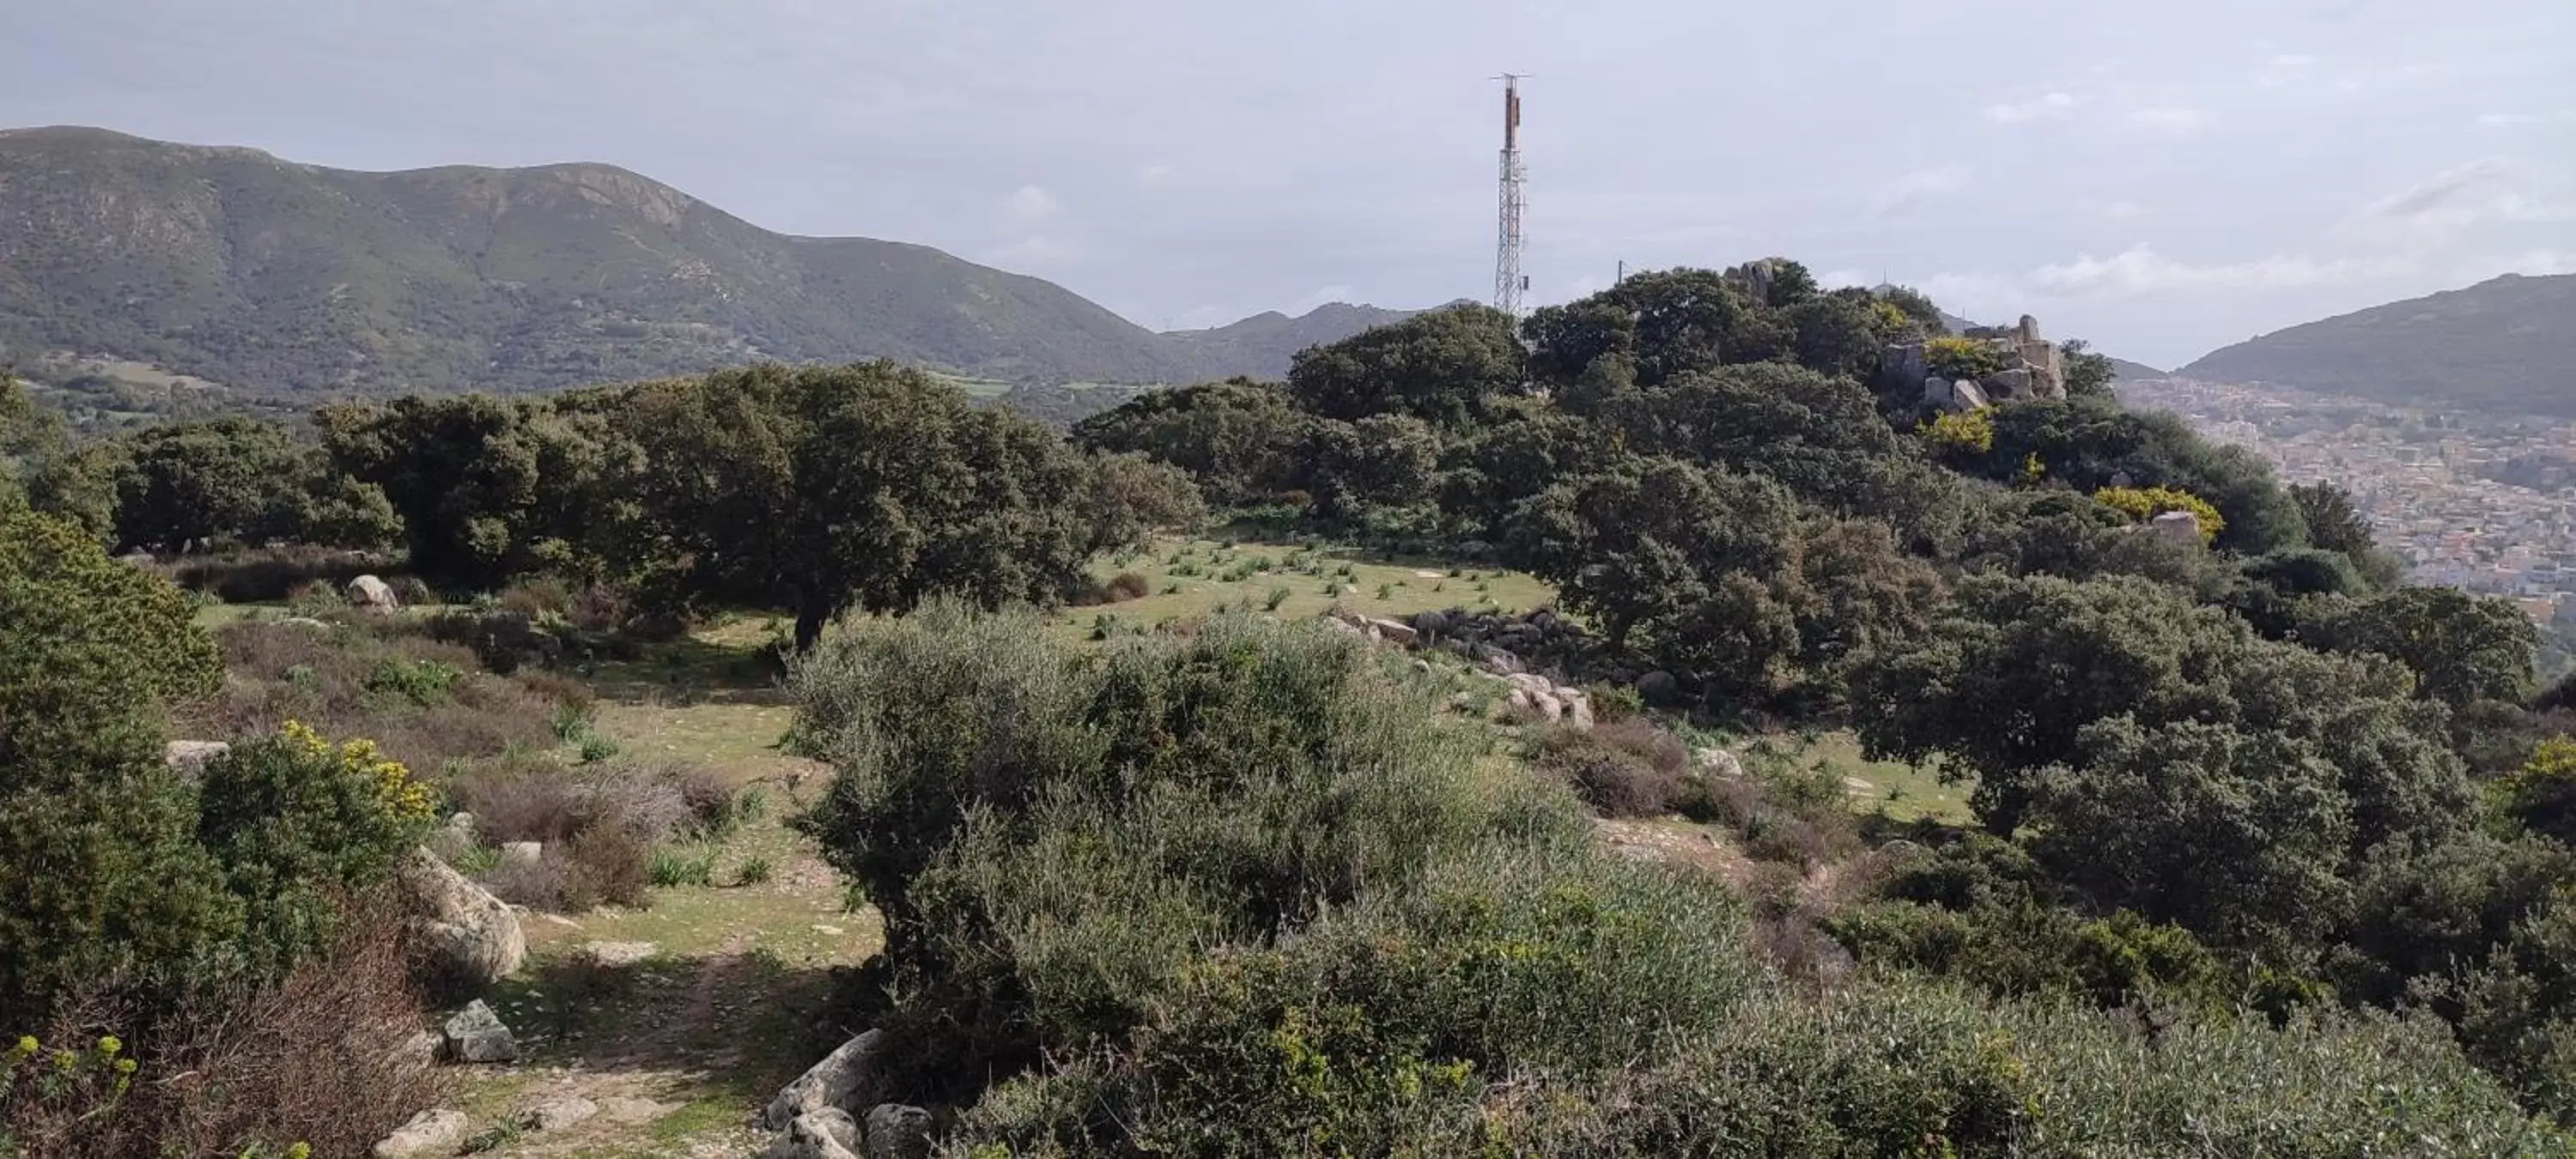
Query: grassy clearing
x: 1899, y: 791
x: 733, y: 1001
x: 1186, y: 579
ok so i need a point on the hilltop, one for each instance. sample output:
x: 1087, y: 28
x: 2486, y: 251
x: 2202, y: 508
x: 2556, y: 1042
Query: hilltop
x: 264, y: 275
x: 2501, y: 345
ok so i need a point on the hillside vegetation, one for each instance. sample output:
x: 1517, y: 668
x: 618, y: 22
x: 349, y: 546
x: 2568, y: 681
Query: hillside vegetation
x: 274, y: 278
x: 2502, y: 346
x: 1877, y: 778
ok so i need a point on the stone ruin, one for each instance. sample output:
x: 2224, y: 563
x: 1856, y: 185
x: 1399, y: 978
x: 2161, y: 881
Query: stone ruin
x: 2033, y: 367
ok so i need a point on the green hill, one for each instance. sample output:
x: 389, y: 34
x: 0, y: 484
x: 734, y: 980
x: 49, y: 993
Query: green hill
x: 2506, y: 345
x: 277, y: 278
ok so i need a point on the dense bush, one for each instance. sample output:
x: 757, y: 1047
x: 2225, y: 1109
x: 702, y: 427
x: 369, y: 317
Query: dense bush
x: 1047, y: 834
x: 1621, y: 769
x: 428, y: 704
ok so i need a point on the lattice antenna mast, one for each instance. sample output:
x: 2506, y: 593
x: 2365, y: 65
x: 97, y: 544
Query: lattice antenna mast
x: 1511, y: 242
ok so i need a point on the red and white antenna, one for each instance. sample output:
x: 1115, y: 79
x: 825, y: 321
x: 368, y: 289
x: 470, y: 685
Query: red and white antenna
x: 1510, y: 284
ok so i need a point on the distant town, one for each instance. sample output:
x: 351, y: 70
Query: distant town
x: 2485, y: 502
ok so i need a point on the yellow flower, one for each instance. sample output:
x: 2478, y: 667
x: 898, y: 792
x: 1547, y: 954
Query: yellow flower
x: 27, y: 1044
x: 108, y: 1045
x: 125, y: 1066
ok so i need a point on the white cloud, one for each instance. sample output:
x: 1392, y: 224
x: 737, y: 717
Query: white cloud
x: 1914, y: 188
x: 2139, y: 269
x: 2053, y: 106
x: 2172, y: 122
x: 1031, y: 204
x: 2434, y: 211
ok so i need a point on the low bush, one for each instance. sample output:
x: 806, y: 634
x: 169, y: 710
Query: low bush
x: 1621, y: 769
x: 312, y: 1065
x: 426, y: 703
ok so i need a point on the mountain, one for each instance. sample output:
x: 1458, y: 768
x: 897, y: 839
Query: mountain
x: 2506, y: 345
x: 282, y: 279
x: 1257, y: 340
x: 2124, y: 370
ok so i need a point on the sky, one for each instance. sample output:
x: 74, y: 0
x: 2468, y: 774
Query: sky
x: 2159, y: 178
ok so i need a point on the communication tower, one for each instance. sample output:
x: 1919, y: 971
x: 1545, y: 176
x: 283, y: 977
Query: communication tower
x: 1509, y: 282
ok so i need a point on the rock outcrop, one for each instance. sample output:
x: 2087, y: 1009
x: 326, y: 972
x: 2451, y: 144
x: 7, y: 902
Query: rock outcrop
x: 836, y: 1082
x: 2031, y: 367
x: 472, y: 934
x: 476, y: 1034
x: 895, y: 1131
x: 2180, y: 528
x: 438, y: 1132
x: 371, y: 594
x: 190, y: 757
x: 822, y: 1133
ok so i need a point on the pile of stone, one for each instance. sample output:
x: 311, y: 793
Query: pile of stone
x: 2033, y: 367
x: 1507, y: 644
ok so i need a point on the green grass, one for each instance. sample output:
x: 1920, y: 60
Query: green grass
x: 1893, y: 788
x: 1193, y: 578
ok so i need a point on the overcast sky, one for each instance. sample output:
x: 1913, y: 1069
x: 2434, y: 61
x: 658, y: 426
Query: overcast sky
x: 2161, y: 177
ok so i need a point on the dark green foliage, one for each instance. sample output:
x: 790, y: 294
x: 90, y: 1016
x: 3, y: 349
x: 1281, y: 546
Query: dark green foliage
x: 2088, y: 373
x: 2029, y: 948
x: 1242, y: 441
x: 1443, y: 366
x: 2240, y: 836
x: 1380, y: 461
x: 1114, y: 813
x: 299, y: 831
x: 1721, y: 575
x: 2087, y: 444
x: 2462, y: 647
x: 1486, y: 476
x: 485, y: 488
x: 865, y: 486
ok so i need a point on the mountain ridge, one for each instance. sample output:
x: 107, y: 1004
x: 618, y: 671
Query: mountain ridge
x: 238, y: 266
x: 2504, y: 344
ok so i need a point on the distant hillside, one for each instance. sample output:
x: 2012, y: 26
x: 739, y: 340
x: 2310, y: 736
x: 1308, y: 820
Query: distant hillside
x: 276, y: 278
x: 2122, y: 368
x: 2506, y: 345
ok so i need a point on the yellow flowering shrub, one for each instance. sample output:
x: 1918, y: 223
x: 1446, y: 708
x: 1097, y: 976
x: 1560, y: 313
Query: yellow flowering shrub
x: 2144, y: 503
x: 1971, y: 433
x: 394, y: 787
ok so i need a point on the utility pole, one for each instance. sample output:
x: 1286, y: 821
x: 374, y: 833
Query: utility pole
x: 1623, y: 272
x: 1510, y: 284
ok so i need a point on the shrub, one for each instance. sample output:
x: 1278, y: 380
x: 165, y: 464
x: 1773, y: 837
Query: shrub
x: 1276, y: 597
x: 754, y: 871
x: 312, y: 1065
x: 2542, y: 794
x: 1120, y: 809
x: 419, y: 681
x: 596, y: 748
x: 1621, y: 769
x: 1963, y: 435
x: 1958, y: 358
x: 2141, y: 504
x: 269, y: 574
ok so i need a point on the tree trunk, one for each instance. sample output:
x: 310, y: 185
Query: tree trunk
x: 810, y: 616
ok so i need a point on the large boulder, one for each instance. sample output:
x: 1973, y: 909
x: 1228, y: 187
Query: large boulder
x: 1966, y: 396
x: 522, y: 853
x: 2008, y: 384
x: 2180, y: 528
x: 822, y: 1133
x: 1396, y: 631
x: 189, y: 758
x: 475, y: 1034
x: 438, y: 1132
x: 895, y: 1131
x: 372, y: 594
x: 473, y: 935
x: 1534, y: 705
x: 1903, y: 366
x: 837, y: 1081
x: 559, y: 1114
